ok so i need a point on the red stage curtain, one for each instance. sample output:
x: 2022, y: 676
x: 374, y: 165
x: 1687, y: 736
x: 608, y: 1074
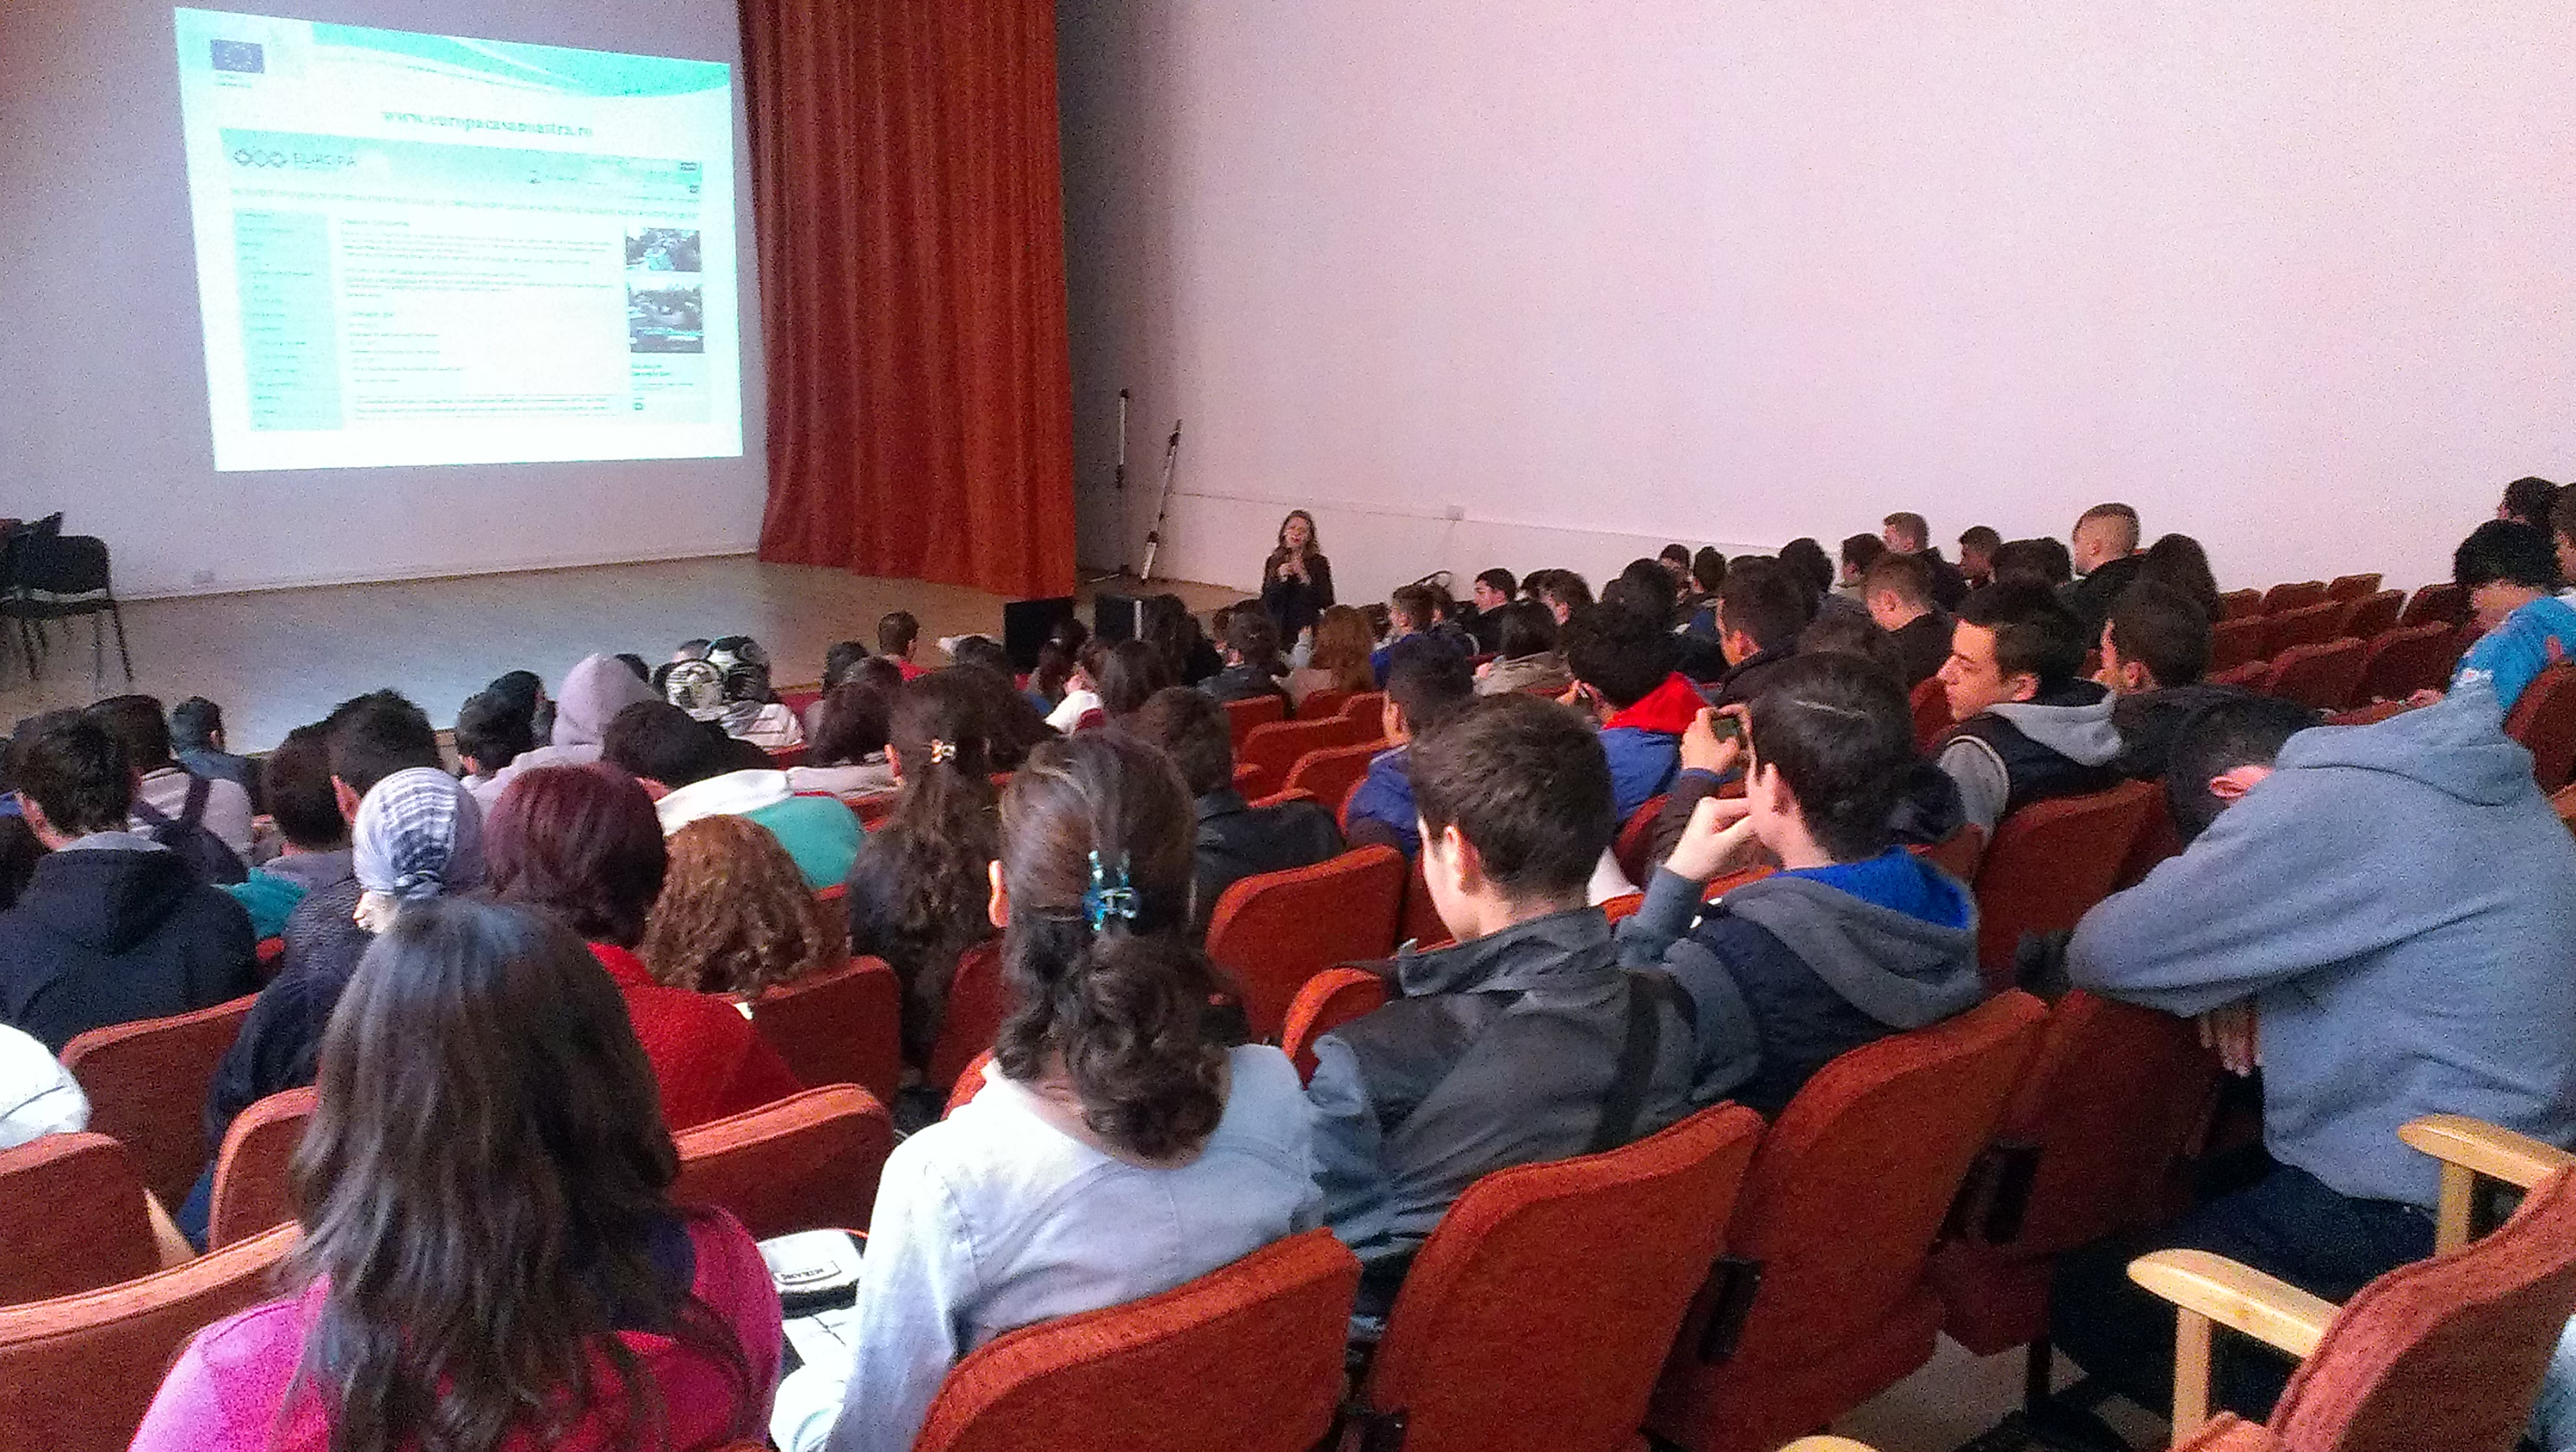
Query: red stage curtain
x: 910, y: 206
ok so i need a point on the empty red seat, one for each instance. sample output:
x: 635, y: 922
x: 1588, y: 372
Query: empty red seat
x: 2309, y: 625
x: 254, y: 1189
x: 1275, y: 930
x: 147, y: 1085
x: 1821, y: 1301
x: 1320, y: 704
x: 1247, y: 1358
x: 2374, y: 615
x: 809, y: 1161
x: 2298, y: 596
x: 840, y: 1027
x: 2352, y: 587
x: 2323, y: 677
x: 1250, y: 711
x: 1477, y: 1356
x: 2233, y: 643
x: 2249, y: 675
x: 2408, y: 659
x: 2544, y: 721
x: 1271, y: 750
x: 71, y: 1218
x: 1330, y: 774
x: 2444, y: 603
x: 1365, y: 705
x: 2049, y: 863
x: 2240, y: 604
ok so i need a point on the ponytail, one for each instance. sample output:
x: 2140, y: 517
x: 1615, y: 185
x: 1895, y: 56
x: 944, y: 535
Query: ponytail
x: 944, y: 827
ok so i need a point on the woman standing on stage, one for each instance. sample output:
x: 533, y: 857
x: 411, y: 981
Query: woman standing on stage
x: 1297, y: 583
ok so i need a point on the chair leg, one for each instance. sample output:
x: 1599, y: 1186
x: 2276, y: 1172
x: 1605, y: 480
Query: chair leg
x: 97, y: 651
x: 2039, y: 1358
x: 27, y: 647
x: 123, y: 656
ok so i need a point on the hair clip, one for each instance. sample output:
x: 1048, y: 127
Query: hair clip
x: 1105, y: 899
x: 942, y: 750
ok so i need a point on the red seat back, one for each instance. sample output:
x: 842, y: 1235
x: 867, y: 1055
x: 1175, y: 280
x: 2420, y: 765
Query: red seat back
x: 2408, y: 659
x: 2157, y: 840
x: 1421, y: 925
x: 1250, y: 711
x: 2250, y: 675
x: 2446, y: 1352
x: 1367, y: 706
x: 809, y: 1161
x: 1839, y: 1213
x: 2438, y: 604
x: 77, y: 1372
x: 1474, y: 1358
x: 1330, y: 774
x: 71, y: 1218
x: 2370, y: 715
x: 2544, y: 721
x: 147, y: 1085
x: 1957, y: 854
x: 2233, y: 643
x: 844, y: 1026
x: 2374, y: 615
x: 1275, y: 930
x: 969, y: 1084
x: 2049, y: 863
x: 972, y: 1016
x: 2308, y: 625
x: 2298, y: 596
x: 1320, y: 704
x: 1931, y: 705
x: 1327, y: 1001
x: 254, y: 1189
x: 2322, y: 677
x: 1636, y: 840
x: 2240, y: 604
x: 2352, y: 587
x: 1247, y: 1357
x: 1272, y: 749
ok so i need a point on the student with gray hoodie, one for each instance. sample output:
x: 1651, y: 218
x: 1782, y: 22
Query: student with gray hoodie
x: 2029, y: 727
x: 1855, y: 939
x: 593, y: 692
x: 2396, y: 906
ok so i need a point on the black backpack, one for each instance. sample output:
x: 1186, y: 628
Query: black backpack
x: 208, y: 859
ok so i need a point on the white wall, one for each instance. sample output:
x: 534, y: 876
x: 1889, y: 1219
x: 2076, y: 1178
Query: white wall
x: 102, y: 373
x: 2292, y: 277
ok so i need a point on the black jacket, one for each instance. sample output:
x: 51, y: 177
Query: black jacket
x: 1745, y: 681
x: 1296, y: 604
x: 113, y: 934
x: 2149, y: 721
x: 1949, y: 585
x: 1243, y: 682
x: 2091, y: 598
x: 280, y: 1045
x: 1237, y: 840
x: 1923, y: 644
x: 1500, y: 1051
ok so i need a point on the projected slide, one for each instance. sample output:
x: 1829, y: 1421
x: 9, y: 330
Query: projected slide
x: 419, y: 249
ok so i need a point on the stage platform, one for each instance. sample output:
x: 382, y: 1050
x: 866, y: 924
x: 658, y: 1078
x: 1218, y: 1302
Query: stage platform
x: 275, y: 659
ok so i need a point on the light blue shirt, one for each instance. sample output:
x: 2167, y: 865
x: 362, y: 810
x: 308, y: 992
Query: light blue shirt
x: 994, y: 1219
x: 2510, y: 655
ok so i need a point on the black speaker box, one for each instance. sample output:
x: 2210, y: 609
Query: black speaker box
x: 1026, y: 624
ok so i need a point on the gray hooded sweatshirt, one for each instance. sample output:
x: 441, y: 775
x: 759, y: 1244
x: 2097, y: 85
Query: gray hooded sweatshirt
x: 593, y: 692
x: 2083, y: 734
x: 2400, y: 902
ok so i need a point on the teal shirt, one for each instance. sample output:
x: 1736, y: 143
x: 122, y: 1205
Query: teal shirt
x: 821, y: 833
x: 269, y: 900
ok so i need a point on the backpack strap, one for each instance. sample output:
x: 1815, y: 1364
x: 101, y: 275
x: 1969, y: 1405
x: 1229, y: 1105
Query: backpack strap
x: 192, y: 812
x: 1649, y: 989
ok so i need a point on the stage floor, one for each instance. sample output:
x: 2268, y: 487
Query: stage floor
x: 275, y: 659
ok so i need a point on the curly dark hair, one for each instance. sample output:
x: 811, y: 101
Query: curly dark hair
x: 735, y: 915
x: 1124, y: 1007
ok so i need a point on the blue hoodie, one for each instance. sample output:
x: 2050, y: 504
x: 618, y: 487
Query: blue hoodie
x: 2508, y: 656
x: 2400, y: 902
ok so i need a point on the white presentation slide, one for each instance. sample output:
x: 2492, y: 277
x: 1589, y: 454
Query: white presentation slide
x: 420, y: 249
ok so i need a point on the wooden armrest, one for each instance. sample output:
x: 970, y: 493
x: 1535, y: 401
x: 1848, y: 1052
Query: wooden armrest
x: 2236, y: 1296
x: 2485, y: 1149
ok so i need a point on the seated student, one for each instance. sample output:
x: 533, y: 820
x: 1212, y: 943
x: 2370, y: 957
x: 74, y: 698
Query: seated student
x: 1428, y: 684
x: 1898, y: 592
x: 1977, y: 546
x: 2029, y: 726
x: 296, y: 783
x: 840, y: 659
x: 445, y: 1183
x: 2178, y: 563
x: 1449, y: 622
x: 2154, y: 648
x: 1506, y: 1049
x: 1493, y: 590
x: 2388, y: 974
x: 914, y: 885
x: 594, y: 691
x: 727, y: 686
x: 1252, y: 662
x: 1760, y: 610
x: 2106, y: 563
x: 582, y: 843
x: 1857, y: 636
x: 897, y: 635
x: 1676, y: 560
x: 1080, y: 707
x: 2511, y: 574
x: 1859, y: 553
x: 689, y: 764
x: 525, y: 691
x: 1854, y: 939
x: 1525, y: 653
x: 1564, y: 593
x: 111, y: 927
x: 2042, y: 561
x: 1118, y: 1147
x: 1907, y: 533
x: 2562, y: 538
x: 19, y: 854
x: 734, y: 915
x: 197, y: 741
x: 1339, y: 660
x: 415, y: 837
x: 491, y: 733
x: 1130, y: 673
x: 1622, y: 664
x: 167, y: 795
x: 365, y: 740
x: 1235, y: 839
x: 1411, y: 611
x: 38, y: 1096
x: 1708, y: 572
x: 1813, y: 569
x: 847, y: 752
x: 2529, y: 500
x: 1013, y: 726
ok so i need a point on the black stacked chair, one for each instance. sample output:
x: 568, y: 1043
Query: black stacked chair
x: 48, y: 575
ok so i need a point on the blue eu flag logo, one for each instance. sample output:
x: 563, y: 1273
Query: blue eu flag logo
x: 240, y: 55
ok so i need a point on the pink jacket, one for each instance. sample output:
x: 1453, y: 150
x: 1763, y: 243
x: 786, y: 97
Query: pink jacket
x: 224, y: 1393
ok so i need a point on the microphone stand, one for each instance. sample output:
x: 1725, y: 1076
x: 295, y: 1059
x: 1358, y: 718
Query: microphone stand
x: 1118, y: 481
x: 1162, y: 504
